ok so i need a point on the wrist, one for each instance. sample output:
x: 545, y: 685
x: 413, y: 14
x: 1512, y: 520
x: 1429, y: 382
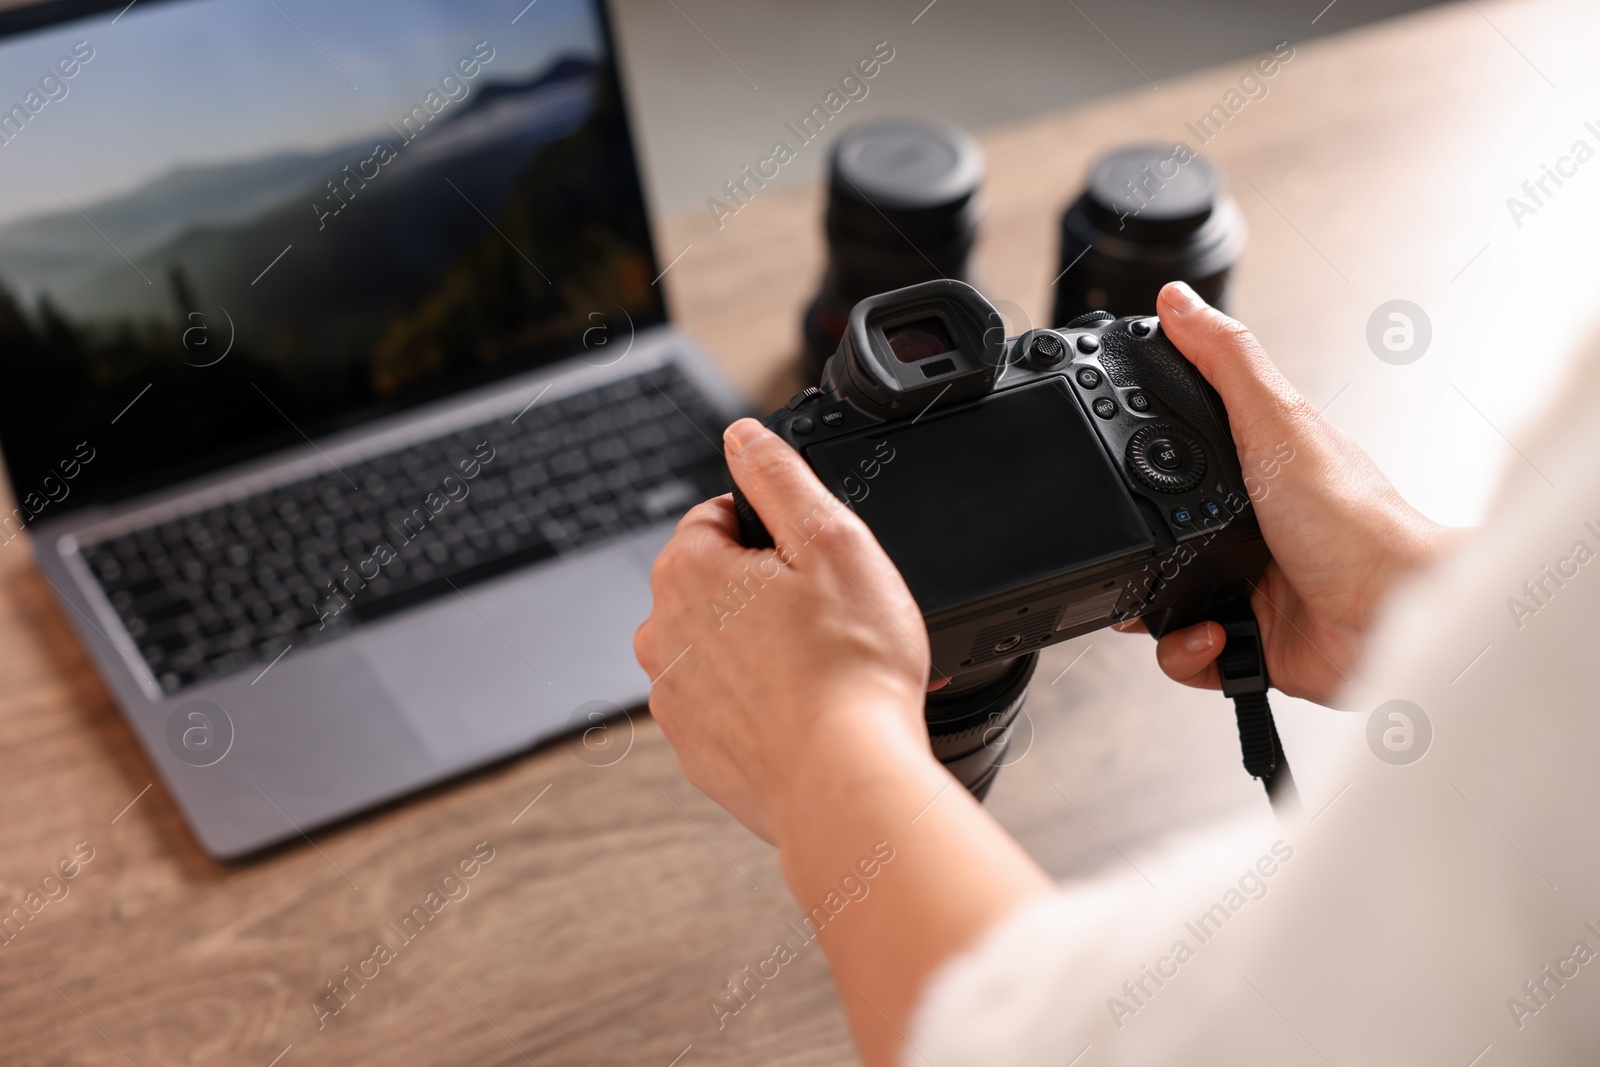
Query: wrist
x: 1410, y: 542
x: 861, y: 762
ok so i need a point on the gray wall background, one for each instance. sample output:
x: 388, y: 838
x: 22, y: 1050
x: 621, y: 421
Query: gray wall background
x: 713, y: 81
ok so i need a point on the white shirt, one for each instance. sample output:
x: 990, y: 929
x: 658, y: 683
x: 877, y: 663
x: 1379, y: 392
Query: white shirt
x: 1444, y: 912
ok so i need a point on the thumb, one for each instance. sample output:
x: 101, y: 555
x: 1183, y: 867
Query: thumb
x: 1262, y: 406
x: 792, y: 503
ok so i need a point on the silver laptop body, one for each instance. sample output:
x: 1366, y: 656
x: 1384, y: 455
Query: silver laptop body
x: 333, y: 728
x: 258, y: 749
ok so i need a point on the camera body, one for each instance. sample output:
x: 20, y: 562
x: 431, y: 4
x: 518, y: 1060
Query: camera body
x: 1030, y: 489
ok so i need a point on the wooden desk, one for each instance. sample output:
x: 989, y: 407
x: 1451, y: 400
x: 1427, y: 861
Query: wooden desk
x: 617, y: 905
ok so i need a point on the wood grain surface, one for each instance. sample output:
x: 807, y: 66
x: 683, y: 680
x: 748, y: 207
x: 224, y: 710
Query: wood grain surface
x: 616, y: 905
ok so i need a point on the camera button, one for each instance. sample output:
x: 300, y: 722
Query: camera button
x: 832, y: 418
x: 1088, y: 344
x: 1047, y: 350
x: 1213, y: 510
x: 802, y: 396
x: 1182, y: 516
x: 1138, y: 401
x: 1142, y: 328
x: 1166, y: 459
x: 802, y: 425
x: 1106, y: 408
x: 1164, y: 452
x: 1088, y: 377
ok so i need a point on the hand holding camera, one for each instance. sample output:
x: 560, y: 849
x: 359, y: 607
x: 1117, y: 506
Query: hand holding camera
x: 1042, y: 486
x: 772, y: 665
x: 1339, y: 534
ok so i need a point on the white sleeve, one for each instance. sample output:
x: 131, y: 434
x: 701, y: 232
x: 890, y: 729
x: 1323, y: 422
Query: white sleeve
x: 1445, y: 911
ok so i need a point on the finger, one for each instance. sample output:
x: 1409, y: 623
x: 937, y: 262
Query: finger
x: 715, y: 515
x: 1190, y: 656
x: 706, y: 540
x: 1229, y: 357
x: 644, y: 646
x: 788, y: 497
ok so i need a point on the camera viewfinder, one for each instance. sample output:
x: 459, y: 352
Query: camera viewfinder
x: 916, y: 341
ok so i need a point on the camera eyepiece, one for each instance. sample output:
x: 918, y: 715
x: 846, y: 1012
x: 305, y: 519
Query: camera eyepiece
x: 907, y: 349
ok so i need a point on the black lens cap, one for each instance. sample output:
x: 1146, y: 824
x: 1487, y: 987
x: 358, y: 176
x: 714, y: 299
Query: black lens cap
x: 907, y: 165
x: 1145, y: 194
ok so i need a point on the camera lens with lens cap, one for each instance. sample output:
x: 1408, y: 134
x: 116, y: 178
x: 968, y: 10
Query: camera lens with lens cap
x: 903, y: 208
x: 1149, y: 215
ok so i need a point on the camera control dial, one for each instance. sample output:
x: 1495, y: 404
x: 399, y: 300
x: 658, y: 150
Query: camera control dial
x: 1166, y: 459
x: 1046, y: 350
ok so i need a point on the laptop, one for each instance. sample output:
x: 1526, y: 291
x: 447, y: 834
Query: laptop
x: 337, y: 391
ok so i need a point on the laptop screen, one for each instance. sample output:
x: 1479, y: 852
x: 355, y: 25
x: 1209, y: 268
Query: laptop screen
x: 227, y: 226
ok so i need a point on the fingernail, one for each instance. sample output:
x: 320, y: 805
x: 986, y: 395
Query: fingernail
x: 1199, y: 640
x: 740, y: 434
x: 1181, y: 298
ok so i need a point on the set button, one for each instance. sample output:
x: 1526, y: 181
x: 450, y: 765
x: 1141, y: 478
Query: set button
x: 1166, y: 458
x: 1166, y: 453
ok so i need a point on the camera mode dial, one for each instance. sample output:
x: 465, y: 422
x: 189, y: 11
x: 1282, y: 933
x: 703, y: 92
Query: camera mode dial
x: 1089, y: 318
x: 1166, y: 459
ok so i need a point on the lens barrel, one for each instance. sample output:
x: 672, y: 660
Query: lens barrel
x: 903, y: 207
x: 1150, y: 215
x: 971, y: 720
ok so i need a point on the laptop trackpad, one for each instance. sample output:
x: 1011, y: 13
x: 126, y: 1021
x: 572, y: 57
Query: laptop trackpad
x: 508, y: 663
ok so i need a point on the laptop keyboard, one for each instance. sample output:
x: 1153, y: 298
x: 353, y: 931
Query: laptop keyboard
x: 237, y: 584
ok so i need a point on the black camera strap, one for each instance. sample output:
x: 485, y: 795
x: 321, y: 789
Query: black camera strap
x: 1243, y: 667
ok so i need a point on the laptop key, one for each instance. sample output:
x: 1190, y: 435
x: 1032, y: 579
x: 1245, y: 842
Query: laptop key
x: 232, y: 585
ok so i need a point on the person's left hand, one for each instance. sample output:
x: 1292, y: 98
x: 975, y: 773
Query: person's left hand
x: 787, y: 670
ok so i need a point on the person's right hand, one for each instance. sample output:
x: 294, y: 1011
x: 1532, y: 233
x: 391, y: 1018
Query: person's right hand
x: 1341, y: 535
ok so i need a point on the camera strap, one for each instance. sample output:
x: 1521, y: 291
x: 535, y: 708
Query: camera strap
x: 1243, y: 667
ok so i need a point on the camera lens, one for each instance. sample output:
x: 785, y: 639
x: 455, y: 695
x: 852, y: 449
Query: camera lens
x: 903, y: 208
x: 971, y: 720
x: 1150, y: 215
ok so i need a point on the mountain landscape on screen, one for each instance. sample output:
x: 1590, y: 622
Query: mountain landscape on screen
x: 492, y: 232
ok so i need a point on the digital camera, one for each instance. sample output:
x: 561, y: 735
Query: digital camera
x: 1029, y: 489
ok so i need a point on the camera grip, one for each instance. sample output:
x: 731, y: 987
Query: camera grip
x: 752, y: 532
x: 1159, y: 367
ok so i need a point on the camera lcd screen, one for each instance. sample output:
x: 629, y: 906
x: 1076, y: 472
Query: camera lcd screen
x: 991, y: 498
x: 913, y: 342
